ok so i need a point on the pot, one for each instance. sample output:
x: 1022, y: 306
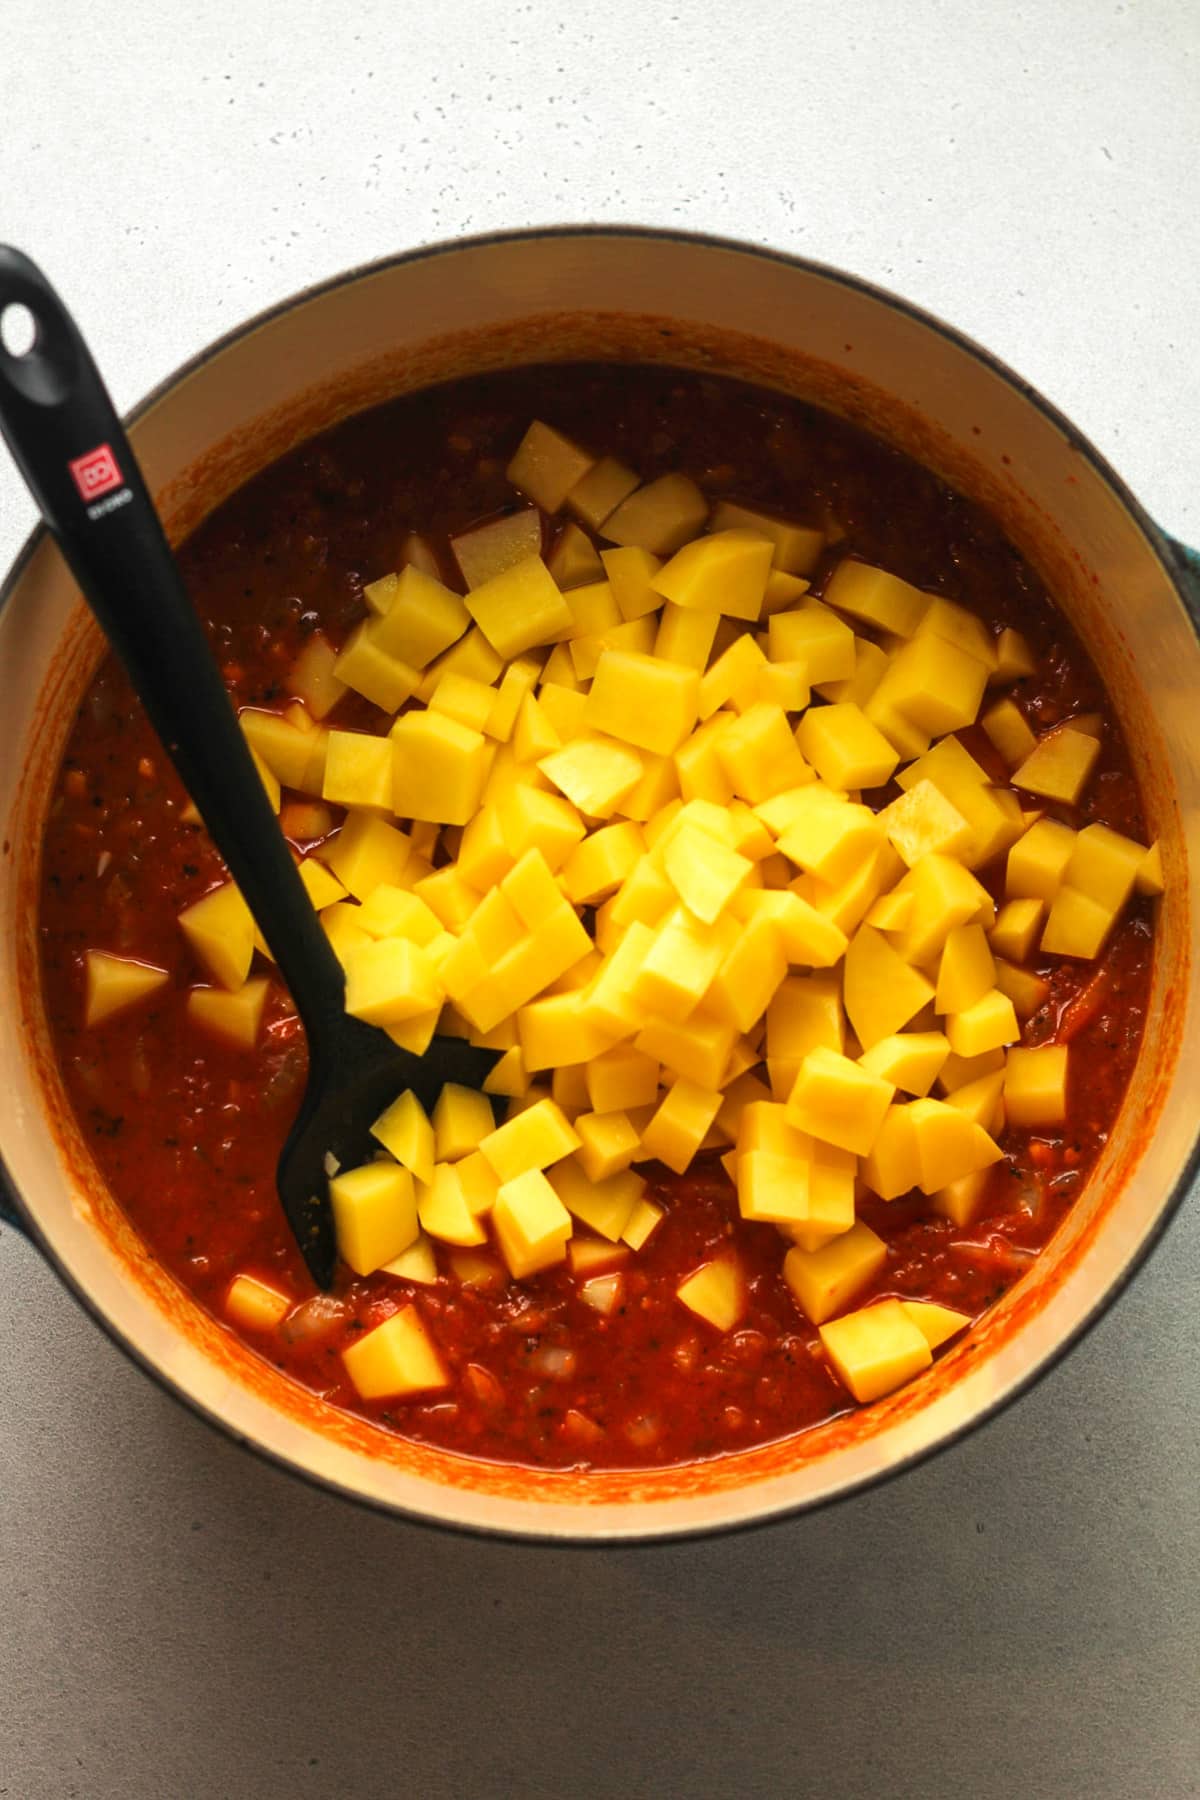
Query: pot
x: 1133, y: 595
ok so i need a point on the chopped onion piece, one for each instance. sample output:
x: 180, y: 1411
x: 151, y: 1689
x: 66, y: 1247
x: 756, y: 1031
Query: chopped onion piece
x: 602, y: 1293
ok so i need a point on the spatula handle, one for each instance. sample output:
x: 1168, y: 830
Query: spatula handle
x: 59, y: 423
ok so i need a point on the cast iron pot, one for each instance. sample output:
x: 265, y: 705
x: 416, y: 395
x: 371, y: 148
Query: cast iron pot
x: 477, y: 304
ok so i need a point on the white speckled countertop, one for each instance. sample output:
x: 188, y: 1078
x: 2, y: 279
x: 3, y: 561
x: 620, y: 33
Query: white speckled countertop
x: 1022, y: 1616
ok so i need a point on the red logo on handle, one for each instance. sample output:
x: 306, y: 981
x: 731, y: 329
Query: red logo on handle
x: 96, y: 473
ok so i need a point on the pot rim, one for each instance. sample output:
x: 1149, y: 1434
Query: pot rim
x: 1182, y: 568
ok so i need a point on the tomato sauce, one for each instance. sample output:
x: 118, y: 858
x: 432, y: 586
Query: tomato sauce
x: 187, y: 1132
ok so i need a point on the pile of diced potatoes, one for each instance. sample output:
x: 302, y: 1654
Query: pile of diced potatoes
x: 613, y: 828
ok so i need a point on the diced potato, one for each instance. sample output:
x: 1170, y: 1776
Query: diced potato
x: 1104, y: 866
x: 1149, y: 879
x: 1026, y: 991
x: 312, y: 678
x: 685, y: 636
x: 574, y: 559
x: 966, y: 972
x: 959, y: 1201
x: 704, y: 873
x: 1059, y: 766
x: 1014, y: 659
x: 910, y: 1060
x: 759, y: 754
x: 608, y: 1143
x: 659, y: 517
x: 700, y: 1048
x: 622, y: 1078
x: 1038, y: 862
x: 395, y: 1359
x: 367, y: 853
x: 823, y: 1280
x: 1077, y: 926
x: 680, y: 1125
x: 716, y: 1292
x: 643, y: 702
x: 982, y: 1100
x: 876, y: 1349
x: 366, y: 667
x: 830, y: 837
x: 438, y: 768
x: 607, y: 1205
x: 870, y: 661
x: 598, y: 866
x: 725, y: 572
x: 933, y: 684
x: 922, y: 822
x: 645, y: 1219
x: 949, y: 1145
x: 444, y: 1211
x: 115, y: 983
x: 471, y: 656
x: 935, y: 1323
x: 894, y: 1164
x: 532, y: 1224
x: 795, y: 549
x: 421, y: 618
x: 838, y: 1101
x: 807, y: 937
x: 1035, y: 1085
x: 594, y: 772
x: 631, y: 573
x: 600, y: 491
x: 519, y: 608
x: 462, y: 1118
x: 463, y: 698
x: 417, y: 1263
x: 389, y: 981
x: 815, y: 637
x: 1015, y: 931
x: 220, y: 932
x: 989, y: 1023
x: 358, y: 770
x: 374, y: 1214
x: 547, y: 465
x: 844, y: 747
x: 533, y: 1140
x: 254, y: 1304
x: 406, y: 1132
x: 881, y: 992
x: 1009, y: 730
x: 490, y: 550
x: 876, y: 597
x: 295, y: 757
x: 588, y: 1256
x: 944, y: 895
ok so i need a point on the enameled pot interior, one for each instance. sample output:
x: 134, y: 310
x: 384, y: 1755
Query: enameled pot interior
x: 619, y: 295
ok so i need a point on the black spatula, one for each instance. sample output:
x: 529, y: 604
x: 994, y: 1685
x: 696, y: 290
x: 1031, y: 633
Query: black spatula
x: 67, y: 441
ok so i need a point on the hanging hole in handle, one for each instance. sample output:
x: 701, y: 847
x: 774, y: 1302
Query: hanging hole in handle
x: 18, y: 329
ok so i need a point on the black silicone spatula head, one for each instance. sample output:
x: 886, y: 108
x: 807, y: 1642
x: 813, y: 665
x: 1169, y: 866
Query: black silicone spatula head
x: 66, y: 439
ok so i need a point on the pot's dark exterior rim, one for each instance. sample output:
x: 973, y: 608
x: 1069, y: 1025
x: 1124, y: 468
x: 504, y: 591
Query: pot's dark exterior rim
x: 1183, y: 567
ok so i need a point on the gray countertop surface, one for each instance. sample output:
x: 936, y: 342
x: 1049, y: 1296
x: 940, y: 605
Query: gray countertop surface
x: 1019, y: 1617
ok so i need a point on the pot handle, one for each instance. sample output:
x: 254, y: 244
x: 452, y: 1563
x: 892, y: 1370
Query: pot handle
x: 1185, y: 566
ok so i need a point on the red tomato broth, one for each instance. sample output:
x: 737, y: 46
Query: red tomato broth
x: 187, y: 1131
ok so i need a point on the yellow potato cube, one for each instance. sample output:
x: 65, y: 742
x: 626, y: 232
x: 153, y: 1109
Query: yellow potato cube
x: 829, y: 837
x: 547, y: 465
x: 1015, y: 931
x: 910, y: 1060
x: 477, y: 1179
x: 982, y: 1100
x: 1009, y: 730
x: 949, y: 1144
x: 643, y: 702
x: 775, y: 1189
x: 881, y: 991
x: 608, y: 1143
x: 234, y: 1016
x: 960, y: 1200
x: 795, y: 549
x: 704, y: 873
x: 891, y: 912
x: 462, y: 1118
x: 417, y: 1263
x: 390, y: 980
x: 534, y: 1139
x: 534, y: 736
x: 905, y: 737
x: 358, y: 770
x: 725, y: 572
x: 622, y: 1078
x: 600, y: 491
x: 944, y: 895
x: 1149, y: 879
x: 847, y: 902
x: 1078, y: 924
x: 645, y: 1219
x: 520, y: 607
x: 598, y: 866
x: 396, y: 1359
x: 922, y: 822
x: 1035, y: 1086
x: 716, y: 1292
x: 658, y: 786
x: 472, y: 656
x: 1026, y: 991
x: 870, y: 661
x: 532, y: 820
x: 966, y: 971
x: 659, y: 517
x: 753, y: 967
x: 532, y: 1224
x: 390, y: 911
x: 1014, y: 659
x: 1104, y: 866
x: 957, y: 625
x: 838, y: 1101
x: 438, y: 768
x: 295, y: 757
x: 593, y: 609
x: 934, y: 684
x: 220, y: 932
x: 731, y: 675
x: 367, y: 668
x: 876, y: 597
x: 935, y: 1323
x: 1037, y: 863
x: 631, y: 573
x: 606, y: 1206
x: 679, y: 965
x: 822, y: 1281
x: 894, y: 1165
x: 685, y: 636
x: 1059, y: 766
x: 509, y: 1078
x: 443, y: 1210
x: 312, y: 678
x: 804, y: 1014
x: 115, y: 983
x: 844, y: 747
x: 465, y: 699
x: 805, y: 935
x: 374, y: 1214
x: 557, y: 1033
x: 405, y: 1131
x: 421, y: 619
x: 958, y: 1071
x: 574, y: 559
x: 700, y: 1048
x: 989, y: 1023
x: 490, y: 550
x: 876, y: 1349
x: 594, y: 772
x: 759, y: 754
x: 254, y: 1305
x: 368, y: 852
x: 680, y: 1125
x: 815, y: 637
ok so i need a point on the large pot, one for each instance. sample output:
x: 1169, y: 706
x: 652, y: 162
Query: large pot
x: 648, y: 295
